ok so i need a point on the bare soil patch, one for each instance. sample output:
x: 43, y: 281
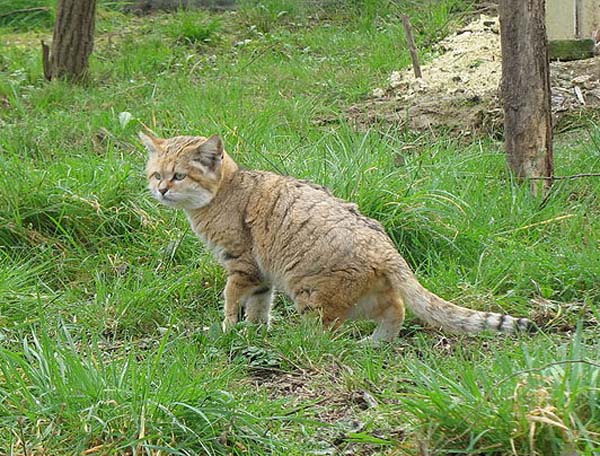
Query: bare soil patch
x: 460, y: 87
x: 346, y: 414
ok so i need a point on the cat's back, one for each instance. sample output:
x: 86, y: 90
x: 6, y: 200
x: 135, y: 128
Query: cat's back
x: 300, y: 228
x: 283, y: 203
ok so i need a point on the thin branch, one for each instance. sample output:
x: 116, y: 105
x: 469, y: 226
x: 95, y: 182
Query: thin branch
x: 487, y: 176
x: 411, y: 46
x: 25, y: 10
x: 573, y: 176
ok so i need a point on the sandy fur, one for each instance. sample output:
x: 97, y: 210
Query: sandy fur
x: 276, y: 232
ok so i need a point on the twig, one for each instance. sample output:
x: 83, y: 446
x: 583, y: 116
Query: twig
x: 25, y: 10
x: 487, y: 176
x: 94, y: 449
x: 20, y: 421
x: 573, y: 176
x: 411, y: 46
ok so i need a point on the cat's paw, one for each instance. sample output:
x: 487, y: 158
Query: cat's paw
x: 368, y: 342
x: 228, y: 323
x: 373, y: 342
x: 261, y: 320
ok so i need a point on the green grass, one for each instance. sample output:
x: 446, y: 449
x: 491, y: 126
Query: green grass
x: 27, y: 14
x: 190, y: 28
x: 110, y: 307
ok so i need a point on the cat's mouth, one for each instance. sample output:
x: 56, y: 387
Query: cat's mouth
x: 182, y: 200
x: 167, y: 200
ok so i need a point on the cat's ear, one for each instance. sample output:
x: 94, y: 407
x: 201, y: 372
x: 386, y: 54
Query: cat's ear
x: 209, y: 154
x: 152, y: 143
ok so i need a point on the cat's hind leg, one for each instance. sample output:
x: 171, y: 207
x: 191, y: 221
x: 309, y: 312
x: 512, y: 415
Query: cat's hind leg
x: 258, y: 305
x: 331, y: 303
x: 388, y: 312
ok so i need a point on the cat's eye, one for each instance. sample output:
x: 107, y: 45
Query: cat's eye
x: 156, y: 176
x: 179, y: 176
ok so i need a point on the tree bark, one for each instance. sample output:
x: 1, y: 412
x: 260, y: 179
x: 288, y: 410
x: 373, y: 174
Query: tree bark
x: 72, y: 41
x: 526, y: 91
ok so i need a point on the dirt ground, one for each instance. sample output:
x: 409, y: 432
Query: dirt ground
x: 460, y: 87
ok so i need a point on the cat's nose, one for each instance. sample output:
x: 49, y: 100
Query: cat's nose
x: 163, y: 190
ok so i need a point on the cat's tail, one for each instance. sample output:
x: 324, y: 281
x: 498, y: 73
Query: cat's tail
x: 443, y: 314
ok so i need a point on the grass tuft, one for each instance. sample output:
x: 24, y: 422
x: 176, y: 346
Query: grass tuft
x: 60, y: 385
x: 543, y: 406
x: 194, y: 29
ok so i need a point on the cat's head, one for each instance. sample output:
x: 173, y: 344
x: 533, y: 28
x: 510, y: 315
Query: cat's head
x: 184, y: 172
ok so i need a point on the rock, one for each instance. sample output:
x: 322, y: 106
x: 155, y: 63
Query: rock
x: 566, y: 50
x: 378, y: 92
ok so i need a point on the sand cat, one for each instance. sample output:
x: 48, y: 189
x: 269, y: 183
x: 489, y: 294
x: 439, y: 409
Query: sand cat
x: 276, y: 232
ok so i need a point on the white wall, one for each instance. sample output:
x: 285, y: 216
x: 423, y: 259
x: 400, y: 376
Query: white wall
x: 565, y: 17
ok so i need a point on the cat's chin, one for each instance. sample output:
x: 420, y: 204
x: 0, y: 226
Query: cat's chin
x: 182, y: 204
x: 169, y: 202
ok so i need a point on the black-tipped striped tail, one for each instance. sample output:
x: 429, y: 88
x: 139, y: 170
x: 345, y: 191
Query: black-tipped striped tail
x: 510, y: 324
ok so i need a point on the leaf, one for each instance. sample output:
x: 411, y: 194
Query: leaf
x: 546, y: 420
x: 124, y: 118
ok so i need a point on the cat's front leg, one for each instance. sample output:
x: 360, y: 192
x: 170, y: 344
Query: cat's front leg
x: 239, y: 286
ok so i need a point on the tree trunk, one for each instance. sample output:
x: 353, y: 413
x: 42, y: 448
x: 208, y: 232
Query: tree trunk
x: 72, y: 41
x: 526, y: 91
